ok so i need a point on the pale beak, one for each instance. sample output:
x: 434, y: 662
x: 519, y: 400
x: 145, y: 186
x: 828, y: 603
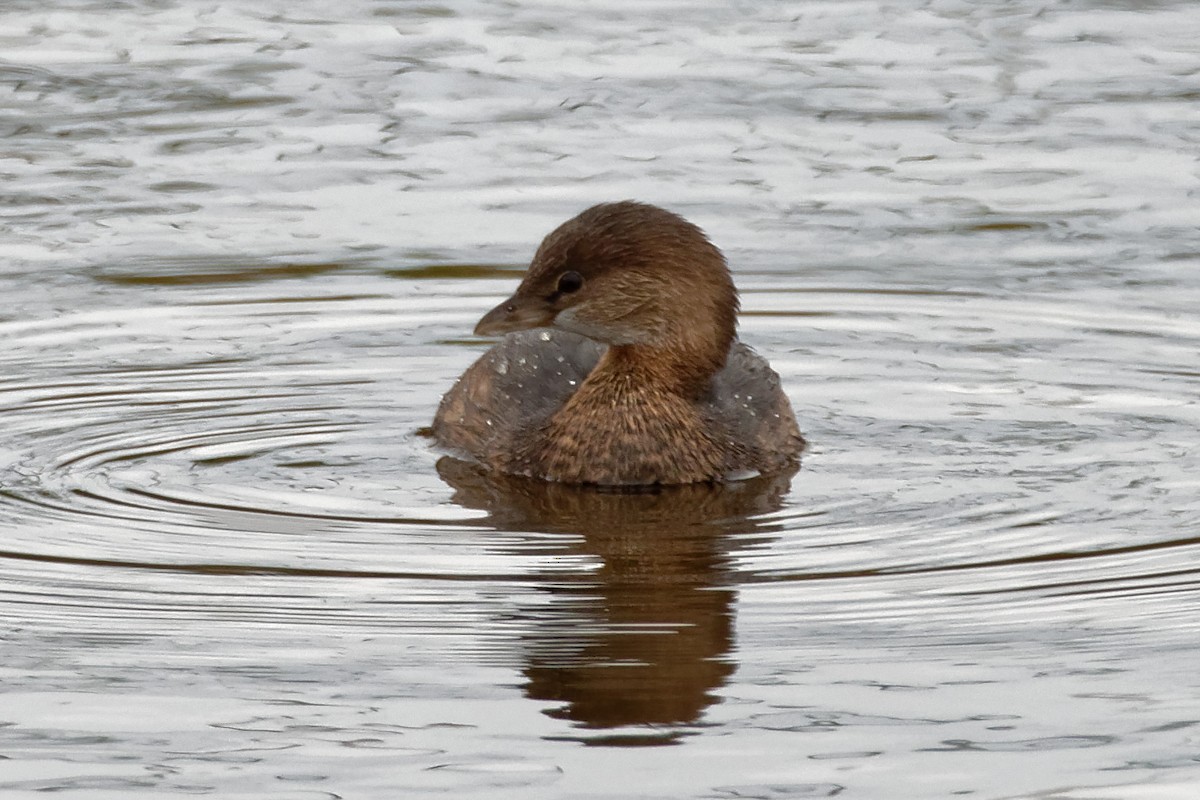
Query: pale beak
x: 517, y: 313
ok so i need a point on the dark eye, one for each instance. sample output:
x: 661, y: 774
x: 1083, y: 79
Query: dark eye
x: 569, y: 281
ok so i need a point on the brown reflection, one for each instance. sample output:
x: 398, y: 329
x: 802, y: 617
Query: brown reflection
x: 647, y: 638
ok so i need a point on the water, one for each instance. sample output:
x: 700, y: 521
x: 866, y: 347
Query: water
x: 242, y: 254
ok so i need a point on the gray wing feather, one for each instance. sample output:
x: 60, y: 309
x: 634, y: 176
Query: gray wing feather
x: 519, y: 382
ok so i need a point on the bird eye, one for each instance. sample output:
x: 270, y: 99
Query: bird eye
x: 570, y: 281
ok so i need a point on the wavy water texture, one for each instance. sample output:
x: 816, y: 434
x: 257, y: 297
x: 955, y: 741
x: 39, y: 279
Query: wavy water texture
x: 243, y: 249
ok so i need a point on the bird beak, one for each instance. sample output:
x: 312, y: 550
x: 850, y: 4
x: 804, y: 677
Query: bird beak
x: 517, y: 313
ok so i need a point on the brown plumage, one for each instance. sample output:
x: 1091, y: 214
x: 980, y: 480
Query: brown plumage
x: 642, y: 383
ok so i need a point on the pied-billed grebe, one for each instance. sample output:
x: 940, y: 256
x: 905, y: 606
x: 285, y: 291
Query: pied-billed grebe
x: 641, y: 381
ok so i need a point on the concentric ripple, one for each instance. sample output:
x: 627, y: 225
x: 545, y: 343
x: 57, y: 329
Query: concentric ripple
x: 1000, y: 446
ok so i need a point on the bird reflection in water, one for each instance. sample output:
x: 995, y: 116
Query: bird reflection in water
x: 643, y: 643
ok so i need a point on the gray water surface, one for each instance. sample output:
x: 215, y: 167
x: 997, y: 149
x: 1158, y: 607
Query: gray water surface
x: 241, y: 253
